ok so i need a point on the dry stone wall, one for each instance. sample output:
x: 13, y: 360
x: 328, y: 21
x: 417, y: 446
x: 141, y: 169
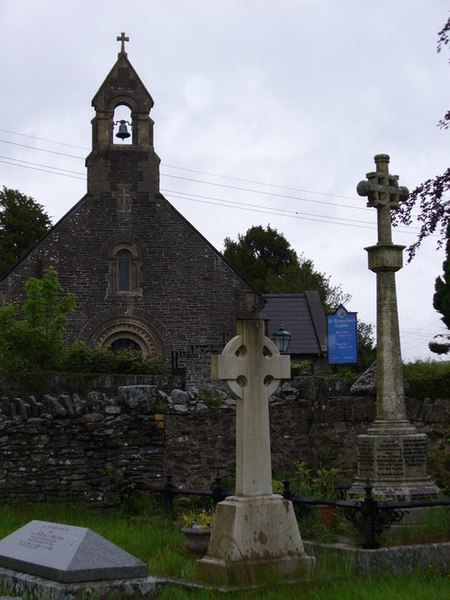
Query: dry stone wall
x: 87, y: 449
x: 96, y: 446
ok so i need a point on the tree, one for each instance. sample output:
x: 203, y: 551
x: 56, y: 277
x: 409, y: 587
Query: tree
x: 23, y: 222
x: 32, y: 334
x: 367, y: 351
x: 433, y: 195
x: 271, y: 265
x: 267, y: 260
x: 441, y: 298
x: 441, y: 302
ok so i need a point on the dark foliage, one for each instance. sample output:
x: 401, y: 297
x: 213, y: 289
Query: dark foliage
x: 23, y: 223
x: 441, y: 298
x: 267, y: 260
x: 431, y: 196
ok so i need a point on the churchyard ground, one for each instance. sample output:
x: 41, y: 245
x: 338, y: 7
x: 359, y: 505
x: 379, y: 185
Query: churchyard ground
x: 145, y: 532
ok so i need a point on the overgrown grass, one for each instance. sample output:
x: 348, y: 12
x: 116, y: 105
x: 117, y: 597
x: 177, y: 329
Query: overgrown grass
x: 426, y: 586
x: 153, y: 539
x: 159, y: 543
x: 433, y: 528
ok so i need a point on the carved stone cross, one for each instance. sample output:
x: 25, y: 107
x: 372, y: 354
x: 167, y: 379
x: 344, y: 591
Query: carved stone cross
x: 122, y: 38
x: 385, y: 258
x: 251, y: 366
x: 384, y: 194
x: 392, y: 454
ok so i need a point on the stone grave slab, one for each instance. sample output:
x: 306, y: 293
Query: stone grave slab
x: 67, y: 554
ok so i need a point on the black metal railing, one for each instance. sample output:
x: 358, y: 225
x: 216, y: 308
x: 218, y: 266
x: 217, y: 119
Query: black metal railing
x: 370, y: 516
x: 169, y: 492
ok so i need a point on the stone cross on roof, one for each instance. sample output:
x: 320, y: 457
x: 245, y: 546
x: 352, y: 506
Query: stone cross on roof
x: 252, y: 367
x: 122, y: 38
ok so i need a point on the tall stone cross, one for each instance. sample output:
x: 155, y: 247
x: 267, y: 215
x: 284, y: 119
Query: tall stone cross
x: 392, y: 454
x: 252, y: 367
x: 385, y: 258
x: 123, y: 38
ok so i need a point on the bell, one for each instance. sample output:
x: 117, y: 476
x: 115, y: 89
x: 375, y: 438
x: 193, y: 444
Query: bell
x: 123, y: 131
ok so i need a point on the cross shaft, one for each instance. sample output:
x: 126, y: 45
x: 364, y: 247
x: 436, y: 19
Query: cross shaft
x: 251, y: 367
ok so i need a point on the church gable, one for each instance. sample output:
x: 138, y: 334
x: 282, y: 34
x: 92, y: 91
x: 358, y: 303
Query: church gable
x: 143, y: 276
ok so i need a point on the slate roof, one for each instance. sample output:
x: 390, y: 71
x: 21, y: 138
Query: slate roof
x: 303, y: 316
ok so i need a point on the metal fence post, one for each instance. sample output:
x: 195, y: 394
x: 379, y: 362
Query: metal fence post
x: 369, y: 509
x: 168, y: 496
x: 286, y: 492
x: 217, y: 491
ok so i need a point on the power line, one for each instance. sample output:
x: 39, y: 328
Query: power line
x: 275, y: 185
x: 212, y: 201
x: 40, y: 165
x: 271, y: 210
x: 222, y: 185
x: 42, y: 170
x: 251, y: 208
x: 42, y: 149
x: 35, y: 137
x: 264, y: 193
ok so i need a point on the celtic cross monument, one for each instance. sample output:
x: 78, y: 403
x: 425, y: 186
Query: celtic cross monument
x: 392, y: 454
x: 254, y: 530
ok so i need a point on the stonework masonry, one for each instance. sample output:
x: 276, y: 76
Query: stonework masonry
x: 142, y: 275
x: 92, y: 447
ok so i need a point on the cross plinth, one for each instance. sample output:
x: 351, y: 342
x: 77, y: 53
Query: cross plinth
x: 254, y: 530
x: 392, y: 455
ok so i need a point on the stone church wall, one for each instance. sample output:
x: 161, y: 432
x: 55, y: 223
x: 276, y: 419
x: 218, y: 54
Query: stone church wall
x: 187, y: 300
x: 91, y: 448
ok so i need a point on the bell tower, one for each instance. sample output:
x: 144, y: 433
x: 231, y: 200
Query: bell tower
x: 112, y: 165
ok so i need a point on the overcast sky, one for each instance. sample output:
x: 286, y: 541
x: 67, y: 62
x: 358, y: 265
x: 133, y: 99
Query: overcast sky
x: 266, y: 112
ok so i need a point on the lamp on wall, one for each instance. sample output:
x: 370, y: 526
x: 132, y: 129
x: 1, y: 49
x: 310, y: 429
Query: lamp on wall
x: 281, y: 339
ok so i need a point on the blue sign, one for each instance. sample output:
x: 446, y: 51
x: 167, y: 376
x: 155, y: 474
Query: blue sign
x: 342, y: 337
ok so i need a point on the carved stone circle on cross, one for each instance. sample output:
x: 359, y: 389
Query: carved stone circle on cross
x: 253, y: 363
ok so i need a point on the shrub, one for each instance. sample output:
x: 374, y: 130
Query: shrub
x: 32, y: 333
x: 80, y: 358
x: 427, y: 379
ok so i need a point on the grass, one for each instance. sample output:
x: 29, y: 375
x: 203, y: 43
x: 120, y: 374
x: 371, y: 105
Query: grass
x: 411, y: 587
x: 434, y: 528
x: 153, y: 539
x: 159, y: 543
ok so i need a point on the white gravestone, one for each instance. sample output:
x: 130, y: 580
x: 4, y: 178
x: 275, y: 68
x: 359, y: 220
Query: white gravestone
x: 255, y: 530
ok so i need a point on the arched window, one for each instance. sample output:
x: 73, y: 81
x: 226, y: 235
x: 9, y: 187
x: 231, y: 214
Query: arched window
x: 123, y: 270
x: 125, y: 344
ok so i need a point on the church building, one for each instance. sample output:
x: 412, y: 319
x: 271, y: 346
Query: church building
x: 142, y: 275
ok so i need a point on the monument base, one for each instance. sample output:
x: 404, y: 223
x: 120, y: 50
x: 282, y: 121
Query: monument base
x: 392, y: 455
x: 254, y: 538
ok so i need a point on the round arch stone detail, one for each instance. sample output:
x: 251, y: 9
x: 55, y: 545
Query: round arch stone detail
x: 129, y: 329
